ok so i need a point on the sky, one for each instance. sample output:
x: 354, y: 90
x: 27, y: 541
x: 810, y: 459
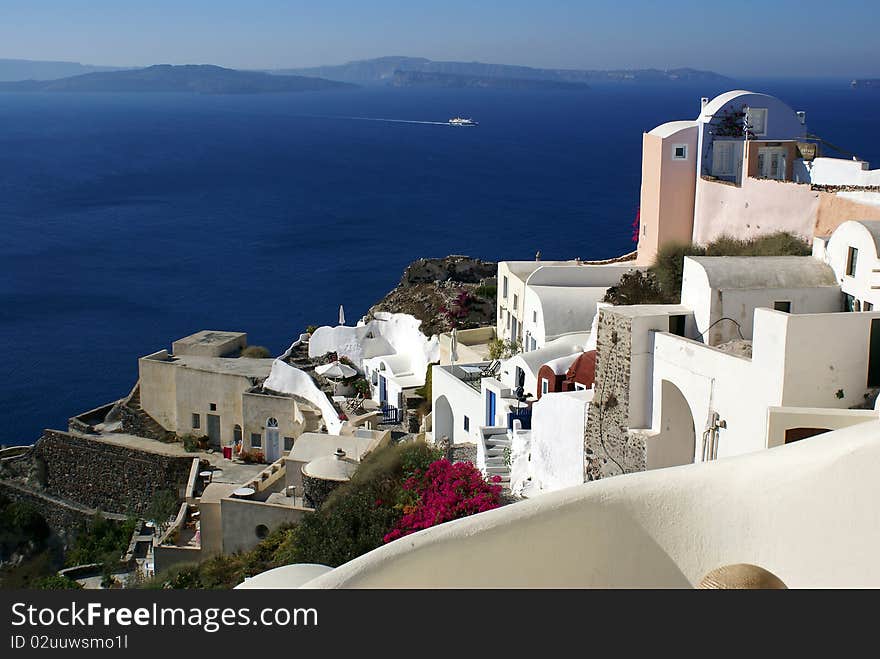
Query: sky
x: 737, y: 37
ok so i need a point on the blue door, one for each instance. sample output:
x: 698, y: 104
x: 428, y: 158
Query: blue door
x: 490, y: 408
x: 383, y: 390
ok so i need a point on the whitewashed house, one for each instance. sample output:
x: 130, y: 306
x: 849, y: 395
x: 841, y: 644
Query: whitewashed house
x: 853, y: 253
x: 724, y: 291
x: 539, y: 301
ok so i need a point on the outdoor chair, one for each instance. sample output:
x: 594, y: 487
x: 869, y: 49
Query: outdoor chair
x: 491, y: 369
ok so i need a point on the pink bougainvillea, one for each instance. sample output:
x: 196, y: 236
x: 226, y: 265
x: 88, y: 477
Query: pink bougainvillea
x: 445, y: 491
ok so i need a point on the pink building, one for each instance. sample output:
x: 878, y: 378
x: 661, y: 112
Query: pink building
x: 745, y: 167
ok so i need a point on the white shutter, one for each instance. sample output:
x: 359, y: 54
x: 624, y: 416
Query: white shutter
x: 722, y: 158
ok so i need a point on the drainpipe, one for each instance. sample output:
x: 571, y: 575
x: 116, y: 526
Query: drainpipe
x: 710, y: 437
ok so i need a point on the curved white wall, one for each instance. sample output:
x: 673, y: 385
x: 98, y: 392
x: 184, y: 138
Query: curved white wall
x: 806, y: 512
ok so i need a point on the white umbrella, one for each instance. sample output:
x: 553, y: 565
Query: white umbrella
x: 335, y: 370
x: 453, y: 350
x: 341, y: 315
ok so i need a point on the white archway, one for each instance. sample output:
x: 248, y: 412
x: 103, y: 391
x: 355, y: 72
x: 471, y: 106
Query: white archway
x: 675, y: 444
x: 443, y: 420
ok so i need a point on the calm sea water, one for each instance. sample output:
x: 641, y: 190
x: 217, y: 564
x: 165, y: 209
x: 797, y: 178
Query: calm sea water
x: 131, y: 220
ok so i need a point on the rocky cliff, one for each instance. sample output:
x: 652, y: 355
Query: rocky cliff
x: 455, y: 291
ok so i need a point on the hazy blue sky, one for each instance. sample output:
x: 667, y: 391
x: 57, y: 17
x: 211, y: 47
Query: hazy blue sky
x: 738, y: 37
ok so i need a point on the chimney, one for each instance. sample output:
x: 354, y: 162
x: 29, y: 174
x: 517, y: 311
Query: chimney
x: 538, y: 255
x: 704, y: 101
x: 339, y: 454
x: 802, y: 116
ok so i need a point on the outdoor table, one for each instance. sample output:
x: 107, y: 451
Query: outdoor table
x: 243, y: 492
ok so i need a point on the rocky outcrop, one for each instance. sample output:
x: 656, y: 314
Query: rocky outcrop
x: 456, y: 291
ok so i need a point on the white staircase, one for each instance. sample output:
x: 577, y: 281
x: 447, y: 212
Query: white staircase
x: 495, y: 441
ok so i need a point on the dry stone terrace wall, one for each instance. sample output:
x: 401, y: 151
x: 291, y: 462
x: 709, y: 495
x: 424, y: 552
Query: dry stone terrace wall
x: 609, y: 448
x: 105, y: 476
x: 62, y: 517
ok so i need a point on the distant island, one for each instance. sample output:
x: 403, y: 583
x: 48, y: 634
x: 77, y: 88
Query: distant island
x: 202, y: 78
x: 24, y: 69
x: 387, y: 70
x: 866, y: 82
x: 455, y: 80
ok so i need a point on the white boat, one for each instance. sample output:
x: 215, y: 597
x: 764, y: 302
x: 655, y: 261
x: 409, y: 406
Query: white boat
x: 461, y: 121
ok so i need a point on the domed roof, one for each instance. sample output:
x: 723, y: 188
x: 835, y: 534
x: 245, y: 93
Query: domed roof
x: 336, y: 467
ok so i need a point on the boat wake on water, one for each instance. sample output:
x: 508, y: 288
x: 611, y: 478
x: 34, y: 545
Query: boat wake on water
x: 457, y: 121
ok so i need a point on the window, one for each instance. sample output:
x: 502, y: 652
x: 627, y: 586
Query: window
x: 676, y: 325
x: 534, y: 343
x: 771, y: 163
x: 874, y: 355
x: 508, y: 320
x: 722, y: 158
x: 580, y: 387
x: 757, y: 118
x: 852, y: 259
x: 261, y: 531
x: 515, y: 301
x: 679, y: 151
x: 467, y: 424
x: 535, y: 316
x: 868, y: 306
x: 197, y: 421
x: 782, y: 305
x: 545, y: 386
x: 213, y: 407
x: 288, y: 443
x: 256, y: 440
x: 504, y: 287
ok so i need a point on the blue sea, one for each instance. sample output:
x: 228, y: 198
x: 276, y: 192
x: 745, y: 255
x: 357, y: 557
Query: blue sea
x: 130, y: 220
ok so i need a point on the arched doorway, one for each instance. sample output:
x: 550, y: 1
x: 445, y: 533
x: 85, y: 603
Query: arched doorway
x: 676, y: 443
x: 443, y: 422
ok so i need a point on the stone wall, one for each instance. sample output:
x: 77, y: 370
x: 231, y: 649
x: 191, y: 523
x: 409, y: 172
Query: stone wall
x: 105, y: 476
x: 63, y: 517
x: 609, y: 448
x: 316, y: 490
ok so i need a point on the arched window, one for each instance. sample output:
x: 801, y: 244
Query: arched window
x: 272, y: 422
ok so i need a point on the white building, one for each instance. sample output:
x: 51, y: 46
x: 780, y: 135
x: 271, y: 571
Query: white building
x: 539, y: 301
x: 853, y: 252
x: 724, y: 291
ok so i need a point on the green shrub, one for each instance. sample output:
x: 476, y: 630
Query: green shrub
x: 192, y: 443
x: 21, y: 525
x: 669, y: 264
x: 100, y: 541
x: 425, y: 390
x: 503, y: 349
x: 486, y: 291
x: 362, y: 387
x: 55, y: 582
x: 358, y: 515
x: 163, y: 505
x: 636, y: 287
x: 256, y: 352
